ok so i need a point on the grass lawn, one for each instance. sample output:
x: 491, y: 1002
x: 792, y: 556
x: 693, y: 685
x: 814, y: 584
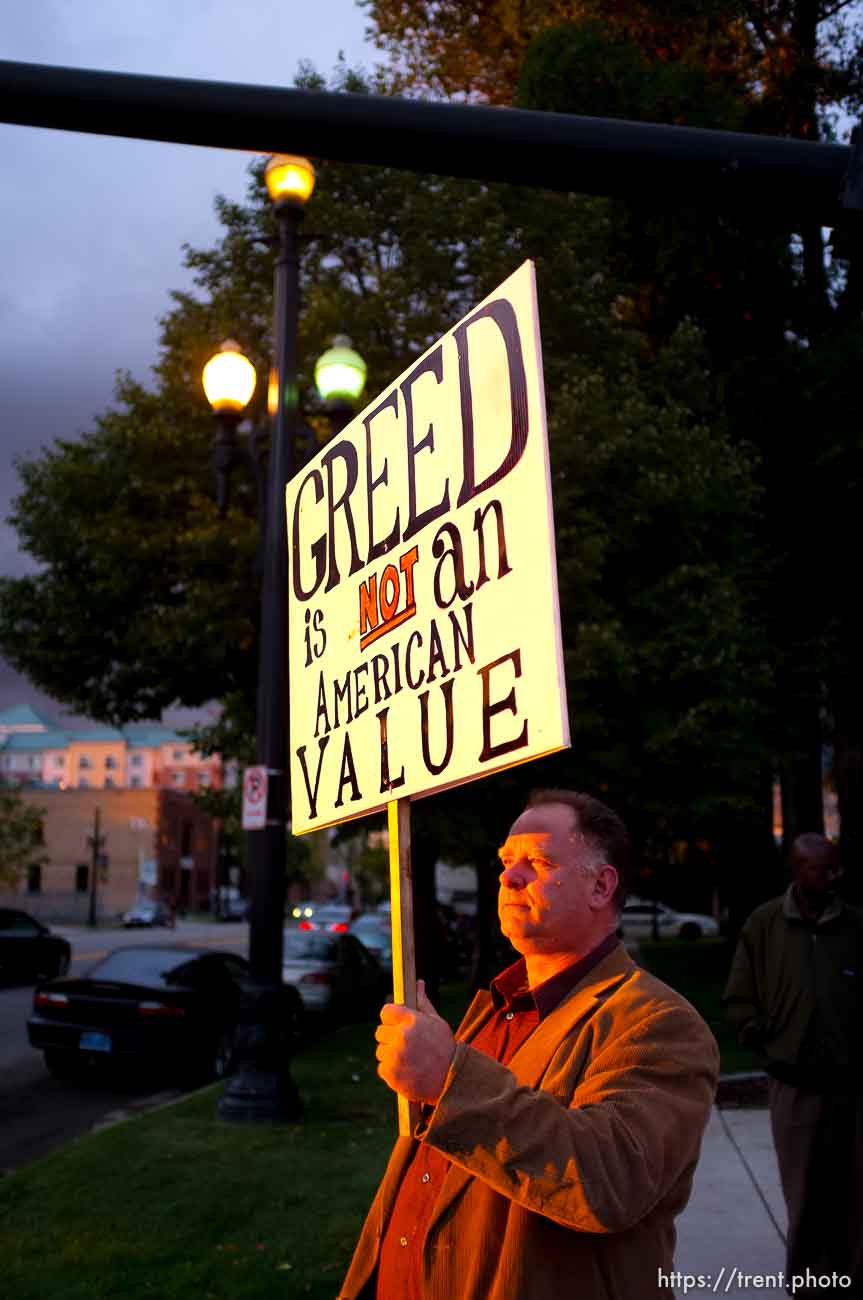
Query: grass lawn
x: 699, y: 971
x: 176, y: 1205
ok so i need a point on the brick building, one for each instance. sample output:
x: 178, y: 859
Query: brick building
x: 154, y: 843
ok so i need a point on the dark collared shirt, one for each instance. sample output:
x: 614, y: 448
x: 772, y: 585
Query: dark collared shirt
x: 517, y: 1012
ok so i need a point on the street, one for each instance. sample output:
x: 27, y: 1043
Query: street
x: 39, y: 1113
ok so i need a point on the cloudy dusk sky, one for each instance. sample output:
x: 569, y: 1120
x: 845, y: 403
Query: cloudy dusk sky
x: 92, y: 228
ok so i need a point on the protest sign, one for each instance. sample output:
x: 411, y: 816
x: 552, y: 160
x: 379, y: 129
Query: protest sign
x: 424, y: 630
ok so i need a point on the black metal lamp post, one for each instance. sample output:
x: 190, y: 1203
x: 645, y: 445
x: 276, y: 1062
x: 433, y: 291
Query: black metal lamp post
x: 262, y: 1090
x: 229, y: 382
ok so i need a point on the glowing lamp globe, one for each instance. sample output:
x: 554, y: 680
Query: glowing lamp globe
x: 289, y: 179
x: 340, y: 374
x: 229, y: 379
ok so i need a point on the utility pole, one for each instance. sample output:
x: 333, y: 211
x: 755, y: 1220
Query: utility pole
x: 95, y: 842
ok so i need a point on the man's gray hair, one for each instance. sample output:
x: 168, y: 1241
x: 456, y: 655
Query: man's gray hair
x: 600, y: 829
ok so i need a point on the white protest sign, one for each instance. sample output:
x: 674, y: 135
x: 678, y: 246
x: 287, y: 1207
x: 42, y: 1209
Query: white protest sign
x: 254, y: 798
x: 424, y: 642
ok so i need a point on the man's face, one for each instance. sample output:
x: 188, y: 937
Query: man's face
x: 816, y: 873
x: 545, y: 902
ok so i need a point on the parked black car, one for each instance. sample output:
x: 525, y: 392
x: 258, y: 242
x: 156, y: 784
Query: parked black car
x: 28, y: 949
x: 171, y: 1009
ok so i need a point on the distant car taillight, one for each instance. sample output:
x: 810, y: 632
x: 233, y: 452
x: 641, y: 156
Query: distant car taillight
x: 159, y: 1009
x: 317, y: 977
x: 51, y: 1000
x: 307, y: 925
x: 340, y: 927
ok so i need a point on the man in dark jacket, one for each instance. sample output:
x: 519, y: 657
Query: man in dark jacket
x: 794, y: 994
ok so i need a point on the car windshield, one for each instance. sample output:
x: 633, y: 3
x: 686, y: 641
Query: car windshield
x: 308, y: 945
x: 143, y: 966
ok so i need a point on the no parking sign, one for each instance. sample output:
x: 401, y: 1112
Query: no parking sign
x: 254, y: 798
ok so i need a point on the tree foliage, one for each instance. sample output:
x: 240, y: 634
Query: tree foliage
x: 781, y: 319
x: 22, y: 837
x: 770, y: 54
x: 655, y: 503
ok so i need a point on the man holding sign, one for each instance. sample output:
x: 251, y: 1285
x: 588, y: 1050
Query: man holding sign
x: 561, y: 1125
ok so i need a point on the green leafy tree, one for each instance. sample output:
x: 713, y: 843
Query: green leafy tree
x: 461, y: 49
x: 654, y: 504
x: 22, y: 837
x: 776, y: 311
x: 780, y: 314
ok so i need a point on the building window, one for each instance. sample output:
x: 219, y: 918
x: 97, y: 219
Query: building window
x: 83, y: 783
x: 136, y: 760
x: 110, y: 763
x: 135, y: 782
x: 82, y: 878
x: 179, y: 778
x: 109, y: 783
x: 84, y: 761
x: 35, y: 763
x: 203, y: 778
x: 58, y: 760
x: 34, y: 880
x: 179, y: 755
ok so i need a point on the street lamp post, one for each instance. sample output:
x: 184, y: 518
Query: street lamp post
x: 229, y: 382
x: 262, y: 1090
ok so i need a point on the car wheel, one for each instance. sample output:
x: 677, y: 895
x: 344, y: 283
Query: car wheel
x: 63, y: 1065
x: 690, y: 931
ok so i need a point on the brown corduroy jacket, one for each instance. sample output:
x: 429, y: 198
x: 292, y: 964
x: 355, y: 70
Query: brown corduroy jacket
x: 570, y: 1164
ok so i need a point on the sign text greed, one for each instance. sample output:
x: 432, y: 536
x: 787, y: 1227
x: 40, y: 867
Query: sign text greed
x: 424, y: 627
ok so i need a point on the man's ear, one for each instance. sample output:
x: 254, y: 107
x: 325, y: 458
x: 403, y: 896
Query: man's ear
x: 605, y: 882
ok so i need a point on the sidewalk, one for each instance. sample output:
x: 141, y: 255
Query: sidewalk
x: 735, y: 1220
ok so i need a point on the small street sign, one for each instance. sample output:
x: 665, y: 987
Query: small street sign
x: 254, y: 798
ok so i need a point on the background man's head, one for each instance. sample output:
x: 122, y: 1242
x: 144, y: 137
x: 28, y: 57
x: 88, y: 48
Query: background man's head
x: 815, y: 868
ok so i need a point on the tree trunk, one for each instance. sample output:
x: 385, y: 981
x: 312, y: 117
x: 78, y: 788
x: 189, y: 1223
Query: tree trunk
x: 425, y: 849
x: 800, y: 769
x: 748, y: 862
x: 848, y: 774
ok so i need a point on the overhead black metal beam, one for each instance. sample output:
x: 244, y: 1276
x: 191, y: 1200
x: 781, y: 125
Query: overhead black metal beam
x: 765, y: 177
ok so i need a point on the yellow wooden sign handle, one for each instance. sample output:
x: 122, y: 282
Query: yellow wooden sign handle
x: 402, y: 917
